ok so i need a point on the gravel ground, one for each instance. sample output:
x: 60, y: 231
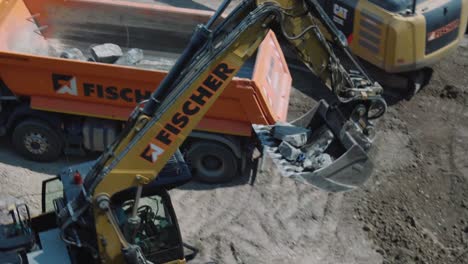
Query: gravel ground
x: 413, y: 210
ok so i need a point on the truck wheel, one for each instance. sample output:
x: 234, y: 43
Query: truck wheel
x: 37, y: 141
x: 212, y: 162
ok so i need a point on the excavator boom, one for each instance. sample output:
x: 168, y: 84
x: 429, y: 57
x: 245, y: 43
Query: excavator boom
x: 214, y: 56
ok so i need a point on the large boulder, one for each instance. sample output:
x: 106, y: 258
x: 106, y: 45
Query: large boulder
x: 106, y: 53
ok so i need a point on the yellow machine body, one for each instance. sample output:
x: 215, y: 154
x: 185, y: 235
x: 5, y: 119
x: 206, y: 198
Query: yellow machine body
x: 400, y: 36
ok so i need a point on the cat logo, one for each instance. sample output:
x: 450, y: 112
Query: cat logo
x: 340, y: 14
x: 65, y: 84
x: 340, y: 11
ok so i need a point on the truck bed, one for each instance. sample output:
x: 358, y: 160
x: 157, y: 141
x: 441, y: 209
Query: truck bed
x: 153, y: 59
x: 35, y: 32
x: 83, y: 27
x: 161, y: 60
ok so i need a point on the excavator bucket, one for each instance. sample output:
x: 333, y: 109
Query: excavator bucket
x: 333, y: 158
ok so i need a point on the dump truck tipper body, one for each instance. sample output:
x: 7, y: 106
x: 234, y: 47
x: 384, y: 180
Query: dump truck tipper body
x: 81, y: 105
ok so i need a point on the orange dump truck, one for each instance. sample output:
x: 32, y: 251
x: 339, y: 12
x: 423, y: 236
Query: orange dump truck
x: 51, y: 105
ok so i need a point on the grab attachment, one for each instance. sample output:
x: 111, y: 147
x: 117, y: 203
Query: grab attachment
x: 322, y: 148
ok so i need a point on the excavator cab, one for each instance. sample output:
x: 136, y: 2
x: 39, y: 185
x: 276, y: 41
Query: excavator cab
x: 158, y: 234
x: 145, y: 216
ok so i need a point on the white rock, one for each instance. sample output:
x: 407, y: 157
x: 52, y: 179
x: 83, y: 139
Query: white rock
x: 318, y: 162
x: 132, y: 57
x: 296, y: 136
x: 320, y: 144
x: 289, y: 152
x: 73, y: 54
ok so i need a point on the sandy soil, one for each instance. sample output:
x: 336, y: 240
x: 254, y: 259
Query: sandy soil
x: 416, y: 206
x: 413, y: 210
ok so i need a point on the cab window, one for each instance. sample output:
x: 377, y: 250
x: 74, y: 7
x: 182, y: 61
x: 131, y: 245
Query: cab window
x: 51, y: 189
x: 157, y: 230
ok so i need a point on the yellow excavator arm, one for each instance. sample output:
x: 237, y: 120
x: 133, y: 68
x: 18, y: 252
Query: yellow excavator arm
x: 216, y: 53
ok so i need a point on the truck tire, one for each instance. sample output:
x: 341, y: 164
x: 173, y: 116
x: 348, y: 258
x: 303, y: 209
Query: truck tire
x: 212, y: 162
x: 37, y: 141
